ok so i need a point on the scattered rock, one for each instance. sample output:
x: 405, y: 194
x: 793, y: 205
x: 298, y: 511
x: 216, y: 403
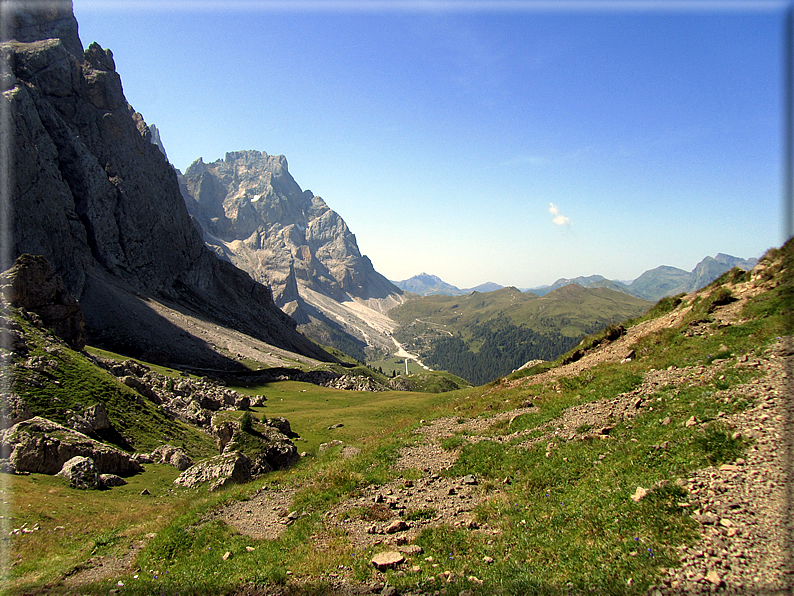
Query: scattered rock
x: 329, y: 445
x: 349, y: 451
x: 713, y: 577
x: 387, y: 560
x: 111, y: 480
x: 396, y: 526
x: 639, y: 494
x: 173, y: 456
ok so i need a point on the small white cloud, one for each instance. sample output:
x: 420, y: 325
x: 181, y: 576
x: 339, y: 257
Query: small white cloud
x: 558, y: 218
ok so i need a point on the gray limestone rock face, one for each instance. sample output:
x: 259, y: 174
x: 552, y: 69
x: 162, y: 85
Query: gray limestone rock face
x: 42, y: 446
x: 254, y: 214
x: 92, y: 194
x: 33, y: 284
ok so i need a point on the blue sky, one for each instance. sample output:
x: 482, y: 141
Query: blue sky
x: 513, y: 142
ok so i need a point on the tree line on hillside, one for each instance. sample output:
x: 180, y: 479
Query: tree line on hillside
x: 503, y: 347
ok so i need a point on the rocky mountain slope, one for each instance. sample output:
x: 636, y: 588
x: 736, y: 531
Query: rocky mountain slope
x: 253, y: 214
x: 93, y: 195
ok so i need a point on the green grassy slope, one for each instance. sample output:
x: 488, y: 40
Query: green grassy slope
x: 483, y: 336
x: 70, y: 381
x: 571, y: 309
x: 564, y: 523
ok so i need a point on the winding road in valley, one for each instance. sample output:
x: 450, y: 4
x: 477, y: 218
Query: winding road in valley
x: 403, y: 353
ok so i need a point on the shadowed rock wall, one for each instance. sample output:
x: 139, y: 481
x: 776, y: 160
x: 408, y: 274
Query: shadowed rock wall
x: 90, y: 192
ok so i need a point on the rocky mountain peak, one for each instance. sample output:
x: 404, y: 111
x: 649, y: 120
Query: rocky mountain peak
x: 254, y: 214
x: 98, y: 200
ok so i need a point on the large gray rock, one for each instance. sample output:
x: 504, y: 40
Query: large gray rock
x: 223, y: 469
x: 33, y: 284
x: 276, y: 449
x: 283, y: 426
x: 93, y: 195
x: 81, y: 473
x: 97, y: 416
x: 13, y: 409
x: 267, y: 447
x: 42, y: 446
x: 92, y: 419
x: 173, y: 456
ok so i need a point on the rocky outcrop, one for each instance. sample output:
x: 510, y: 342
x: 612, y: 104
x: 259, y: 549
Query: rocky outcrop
x: 167, y: 454
x: 267, y: 445
x: 223, y: 469
x: 93, y: 195
x: 13, y: 409
x: 191, y: 400
x: 33, y: 284
x: 156, y: 141
x: 275, y: 451
x: 282, y: 425
x: 254, y: 214
x: 92, y: 419
x: 42, y: 446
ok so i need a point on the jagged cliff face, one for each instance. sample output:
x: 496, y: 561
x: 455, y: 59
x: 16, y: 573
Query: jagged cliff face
x: 254, y: 214
x: 274, y: 230
x: 90, y: 192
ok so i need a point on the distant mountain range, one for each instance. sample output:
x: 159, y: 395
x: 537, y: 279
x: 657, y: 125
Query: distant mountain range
x: 652, y: 285
x: 425, y: 284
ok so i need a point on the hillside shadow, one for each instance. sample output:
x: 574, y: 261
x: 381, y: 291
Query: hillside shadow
x: 122, y: 322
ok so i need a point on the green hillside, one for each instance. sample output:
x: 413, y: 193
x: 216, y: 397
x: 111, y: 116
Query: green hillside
x: 600, y: 476
x: 482, y: 336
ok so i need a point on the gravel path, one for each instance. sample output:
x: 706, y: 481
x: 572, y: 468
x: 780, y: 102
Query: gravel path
x: 744, y: 507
